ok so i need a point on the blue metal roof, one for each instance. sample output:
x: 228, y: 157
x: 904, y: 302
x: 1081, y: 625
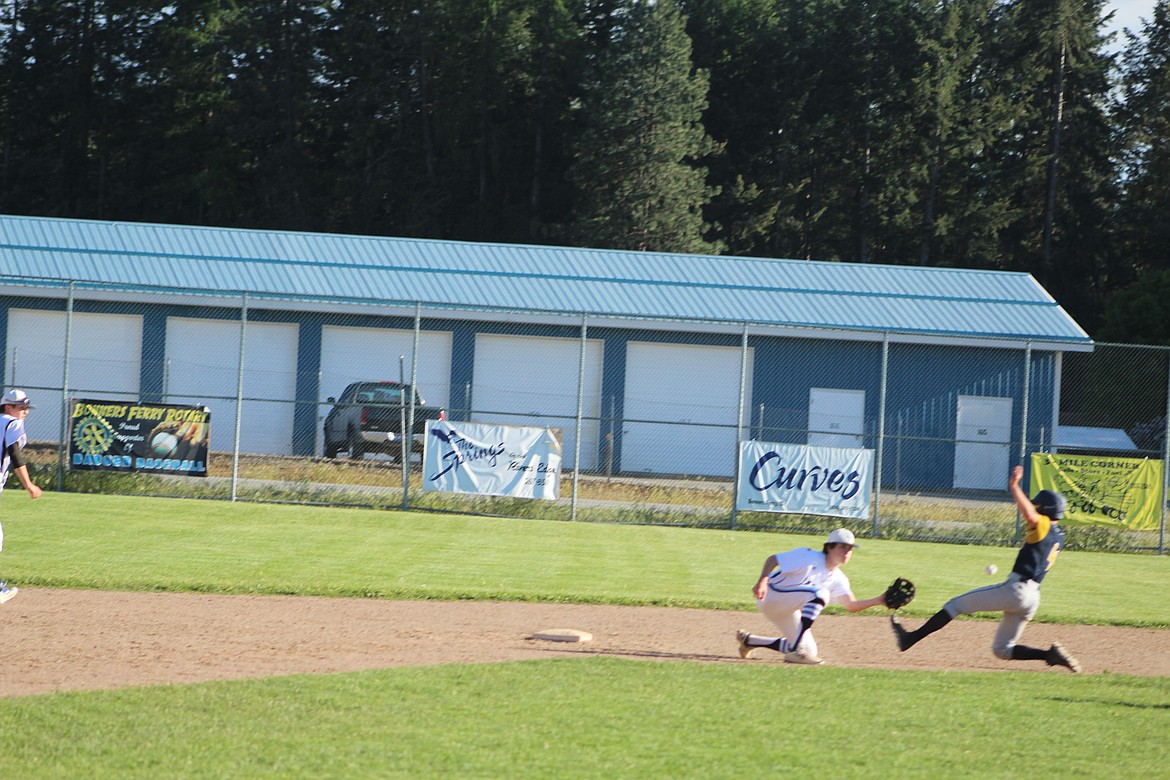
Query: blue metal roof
x: 608, y: 283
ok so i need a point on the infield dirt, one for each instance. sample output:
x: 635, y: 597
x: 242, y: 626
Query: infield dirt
x: 60, y: 640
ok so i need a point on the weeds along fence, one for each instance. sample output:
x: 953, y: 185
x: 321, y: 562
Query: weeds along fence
x: 650, y: 412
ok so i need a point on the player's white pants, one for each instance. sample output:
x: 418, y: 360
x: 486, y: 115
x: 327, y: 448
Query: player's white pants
x: 1017, y: 598
x: 783, y: 609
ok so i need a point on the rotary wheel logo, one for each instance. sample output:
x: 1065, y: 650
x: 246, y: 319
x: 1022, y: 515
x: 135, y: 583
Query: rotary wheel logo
x: 93, y: 435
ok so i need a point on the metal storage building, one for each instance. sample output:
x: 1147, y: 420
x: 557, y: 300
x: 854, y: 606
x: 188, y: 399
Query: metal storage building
x: 505, y: 332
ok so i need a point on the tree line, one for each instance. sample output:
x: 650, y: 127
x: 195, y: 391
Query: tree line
x: 997, y: 134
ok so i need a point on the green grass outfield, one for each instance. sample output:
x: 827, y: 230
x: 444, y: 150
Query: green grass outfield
x: 588, y: 717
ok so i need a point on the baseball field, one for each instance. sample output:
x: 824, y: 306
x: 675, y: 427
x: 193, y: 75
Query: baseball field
x: 179, y: 638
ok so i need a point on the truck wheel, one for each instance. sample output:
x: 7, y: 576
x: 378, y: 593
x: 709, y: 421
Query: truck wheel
x: 357, y: 449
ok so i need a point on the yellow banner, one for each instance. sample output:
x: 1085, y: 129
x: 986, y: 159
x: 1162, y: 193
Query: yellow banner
x: 1116, y: 492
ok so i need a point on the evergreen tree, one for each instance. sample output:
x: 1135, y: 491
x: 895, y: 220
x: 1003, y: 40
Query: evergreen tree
x: 560, y: 54
x: 376, y: 124
x: 638, y: 161
x: 957, y: 112
x: 276, y: 95
x: 1143, y: 120
x: 483, y: 77
x: 761, y: 71
x: 183, y: 163
x: 1139, y: 313
x: 1055, y: 161
x: 52, y: 107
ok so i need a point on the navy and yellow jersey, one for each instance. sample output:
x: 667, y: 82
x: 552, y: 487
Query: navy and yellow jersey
x: 1041, y: 546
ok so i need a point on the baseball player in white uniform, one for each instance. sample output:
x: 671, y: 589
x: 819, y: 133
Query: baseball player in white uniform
x: 794, y: 587
x: 12, y: 441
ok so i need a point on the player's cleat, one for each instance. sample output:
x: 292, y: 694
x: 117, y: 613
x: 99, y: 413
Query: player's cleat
x: 801, y: 657
x: 1058, y: 656
x: 900, y: 634
x: 7, y: 593
x: 745, y: 650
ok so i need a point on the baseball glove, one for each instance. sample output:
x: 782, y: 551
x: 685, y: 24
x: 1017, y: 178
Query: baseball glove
x: 899, y: 594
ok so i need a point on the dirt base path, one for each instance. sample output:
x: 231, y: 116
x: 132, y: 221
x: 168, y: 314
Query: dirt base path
x: 60, y: 640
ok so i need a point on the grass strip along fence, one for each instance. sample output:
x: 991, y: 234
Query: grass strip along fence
x: 689, y: 503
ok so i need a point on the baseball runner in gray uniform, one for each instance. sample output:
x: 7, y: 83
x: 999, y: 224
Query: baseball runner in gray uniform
x: 1018, y: 597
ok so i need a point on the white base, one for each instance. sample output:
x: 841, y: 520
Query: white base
x: 563, y: 635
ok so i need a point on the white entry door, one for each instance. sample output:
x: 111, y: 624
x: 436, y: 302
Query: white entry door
x: 983, y: 433
x: 836, y: 418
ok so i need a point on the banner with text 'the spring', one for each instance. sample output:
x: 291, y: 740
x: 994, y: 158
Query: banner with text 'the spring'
x: 491, y: 460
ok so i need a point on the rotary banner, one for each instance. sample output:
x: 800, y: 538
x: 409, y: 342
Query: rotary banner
x: 1117, y: 492
x: 804, y: 479
x: 491, y: 460
x: 143, y: 438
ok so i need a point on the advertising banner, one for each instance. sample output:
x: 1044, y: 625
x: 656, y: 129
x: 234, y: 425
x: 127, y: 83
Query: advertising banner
x: 142, y: 438
x: 800, y: 479
x: 1117, y: 492
x: 491, y: 460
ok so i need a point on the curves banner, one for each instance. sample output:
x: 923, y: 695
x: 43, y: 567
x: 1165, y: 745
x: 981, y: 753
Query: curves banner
x: 801, y: 479
x: 1115, y: 492
x: 142, y: 438
x: 491, y: 460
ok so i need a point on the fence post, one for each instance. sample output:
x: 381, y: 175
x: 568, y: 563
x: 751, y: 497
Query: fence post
x: 1024, y: 406
x: 881, y: 432
x: 403, y: 447
x: 580, y: 407
x: 408, y: 434
x: 239, y: 396
x: 743, y: 351
x: 1165, y: 463
x: 609, y: 439
x: 62, y: 431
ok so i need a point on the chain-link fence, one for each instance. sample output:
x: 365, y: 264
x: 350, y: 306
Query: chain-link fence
x: 650, y: 413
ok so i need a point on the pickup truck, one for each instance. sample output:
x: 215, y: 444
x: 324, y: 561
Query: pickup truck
x: 367, y: 417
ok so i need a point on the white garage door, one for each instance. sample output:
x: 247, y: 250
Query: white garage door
x: 203, y: 370
x: 104, y: 361
x: 522, y: 380
x: 372, y: 354
x: 692, y: 388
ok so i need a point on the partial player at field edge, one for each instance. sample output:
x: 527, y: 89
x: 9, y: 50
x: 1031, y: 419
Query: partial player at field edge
x: 12, y: 442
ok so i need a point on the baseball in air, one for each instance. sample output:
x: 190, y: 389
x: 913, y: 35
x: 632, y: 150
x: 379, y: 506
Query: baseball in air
x: 164, y: 443
x: 991, y: 569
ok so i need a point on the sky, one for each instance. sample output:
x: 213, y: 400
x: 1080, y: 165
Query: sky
x: 1129, y: 13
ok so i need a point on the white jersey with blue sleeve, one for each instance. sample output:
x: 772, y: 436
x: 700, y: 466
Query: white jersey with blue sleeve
x: 804, y: 569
